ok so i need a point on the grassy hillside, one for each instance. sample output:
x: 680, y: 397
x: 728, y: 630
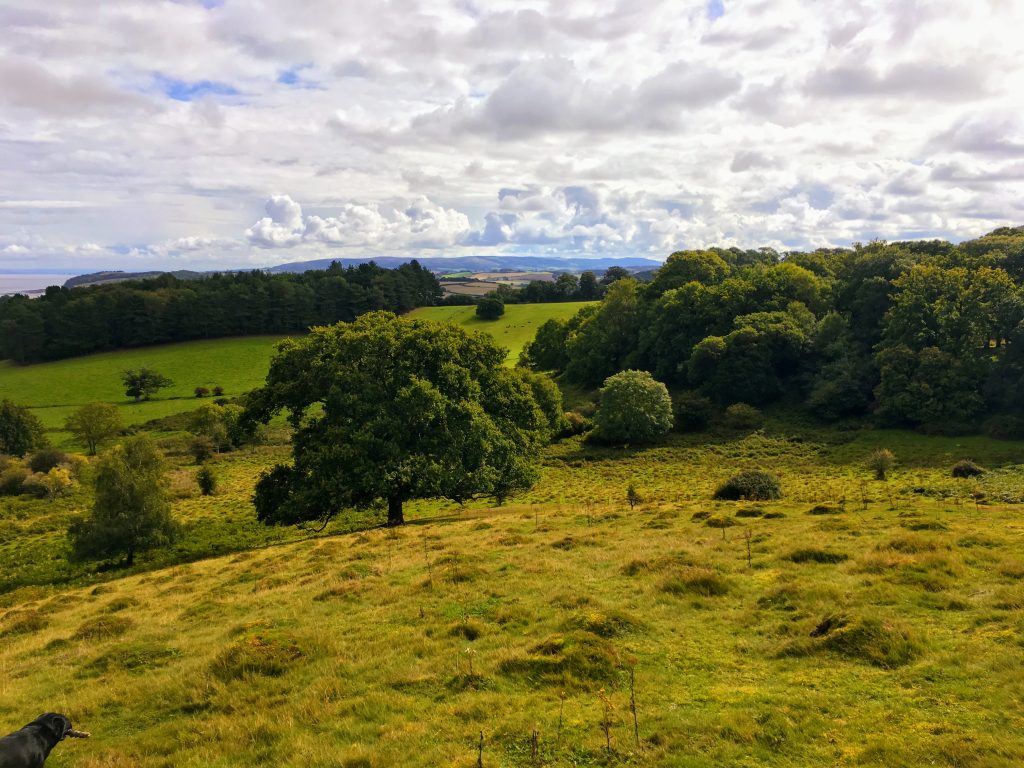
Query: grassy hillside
x: 513, y: 330
x: 55, y: 389
x: 855, y: 622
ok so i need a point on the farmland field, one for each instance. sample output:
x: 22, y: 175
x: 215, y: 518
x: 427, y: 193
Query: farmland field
x: 513, y: 330
x: 53, y: 390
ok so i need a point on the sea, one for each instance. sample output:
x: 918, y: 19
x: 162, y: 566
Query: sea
x: 33, y: 285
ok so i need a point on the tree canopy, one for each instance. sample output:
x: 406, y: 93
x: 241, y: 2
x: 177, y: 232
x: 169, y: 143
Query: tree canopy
x: 143, y: 383
x: 632, y: 408
x: 94, y: 423
x: 20, y: 429
x: 131, y: 513
x: 386, y: 409
x: 912, y: 333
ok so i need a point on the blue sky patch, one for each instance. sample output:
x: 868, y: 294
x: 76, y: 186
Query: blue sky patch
x: 716, y: 9
x: 183, y: 90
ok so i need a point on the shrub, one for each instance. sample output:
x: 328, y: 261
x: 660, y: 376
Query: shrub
x: 881, y: 463
x: 12, y: 480
x: 218, y: 391
x: 20, y: 429
x: 743, y: 416
x: 49, y: 485
x: 753, y: 485
x: 575, y: 424
x: 207, y: 481
x: 490, y: 308
x: 693, y: 411
x: 201, y: 448
x: 202, y: 392
x: 967, y: 468
x: 633, y: 408
x: 46, y: 459
x: 1005, y: 427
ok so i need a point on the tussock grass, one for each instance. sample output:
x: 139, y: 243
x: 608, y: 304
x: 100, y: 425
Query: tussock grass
x: 812, y: 555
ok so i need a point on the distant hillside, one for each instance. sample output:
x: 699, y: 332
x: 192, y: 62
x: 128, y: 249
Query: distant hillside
x: 117, y: 276
x: 440, y: 264
x: 486, y: 263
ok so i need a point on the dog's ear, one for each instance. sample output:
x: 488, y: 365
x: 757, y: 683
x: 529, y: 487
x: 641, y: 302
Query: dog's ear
x: 58, y: 725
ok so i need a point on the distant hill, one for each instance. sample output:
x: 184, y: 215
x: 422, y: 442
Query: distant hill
x: 486, y: 263
x: 117, y: 276
x: 439, y: 264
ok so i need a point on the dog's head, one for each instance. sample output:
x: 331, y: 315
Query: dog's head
x: 58, y: 725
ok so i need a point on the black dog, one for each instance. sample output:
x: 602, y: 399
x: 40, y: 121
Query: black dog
x: 29, y: 747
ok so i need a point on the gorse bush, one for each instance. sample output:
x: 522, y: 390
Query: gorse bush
x: 967, y: 468
x: 743, y: 416
x: 753, y: 484
x: 207, y: 481
x: 693, y: 411
x: 46, y: 459
x: 881, y: 462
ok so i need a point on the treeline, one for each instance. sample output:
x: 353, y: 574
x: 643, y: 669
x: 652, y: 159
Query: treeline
x: 565, y: 287
x: 68, y: 322
x: 914, y: 333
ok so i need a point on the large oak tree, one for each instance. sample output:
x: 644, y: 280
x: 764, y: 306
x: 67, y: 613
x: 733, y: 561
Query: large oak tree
x: 387, y: 409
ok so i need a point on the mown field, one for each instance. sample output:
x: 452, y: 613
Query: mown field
x: 854, y: 622
x: 54, y: 390
x: 513, y: 330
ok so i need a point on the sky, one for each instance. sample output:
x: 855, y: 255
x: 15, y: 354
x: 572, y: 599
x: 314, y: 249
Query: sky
x: 198, y: 134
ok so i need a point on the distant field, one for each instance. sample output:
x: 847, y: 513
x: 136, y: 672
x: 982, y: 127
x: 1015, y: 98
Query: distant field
x: 513, y: 330
x: 53, y: 390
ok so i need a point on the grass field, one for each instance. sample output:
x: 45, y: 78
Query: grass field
x: 854, y: 622
x: 53, y: 390
x: 513, y: 330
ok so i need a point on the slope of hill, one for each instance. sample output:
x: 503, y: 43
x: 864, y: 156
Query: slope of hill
x: 788, y: 634
x: 53, y: 390
x: 513, y: 330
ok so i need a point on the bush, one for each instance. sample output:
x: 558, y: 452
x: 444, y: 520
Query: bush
x: 633, y: 408
x: 753, y: 485
x: 202, y: 392
x: 490, y: 308
x: 12, y: 480
x: 966, y: 468
x: 45, y: 460
x: 201, y: 448
x: 575, y: 424
x: 693, y: 412
x: 218, y: 391
x: 1005, y: 427
x: 743, y: 416
x: 881, y: 462
x: 49, y: 485
x: 20, y: 429
x: 207, y: 481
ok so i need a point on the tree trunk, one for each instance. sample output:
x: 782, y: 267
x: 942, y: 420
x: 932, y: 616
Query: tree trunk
x: 130, y: 560
x: 395, y: 516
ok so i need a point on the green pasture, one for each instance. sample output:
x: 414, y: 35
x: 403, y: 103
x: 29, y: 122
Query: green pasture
x: 513, y: 330
x: 53, y: 390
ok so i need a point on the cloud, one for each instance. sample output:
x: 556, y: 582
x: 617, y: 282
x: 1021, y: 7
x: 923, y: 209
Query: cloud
x: 27, y: 84
x: 917, y: 79
x: 460, y: 126
x: 552, y: 96
x: 394, y: 224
